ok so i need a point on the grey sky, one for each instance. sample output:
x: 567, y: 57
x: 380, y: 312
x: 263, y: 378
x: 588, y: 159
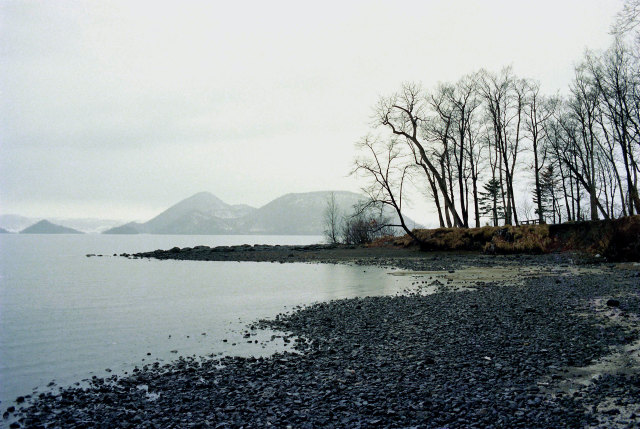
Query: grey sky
x: 119, y: 109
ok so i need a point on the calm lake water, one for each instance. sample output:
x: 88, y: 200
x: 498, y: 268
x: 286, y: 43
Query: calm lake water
x: 66, y: 317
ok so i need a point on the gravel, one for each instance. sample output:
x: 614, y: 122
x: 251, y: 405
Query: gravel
x: 489, y: 357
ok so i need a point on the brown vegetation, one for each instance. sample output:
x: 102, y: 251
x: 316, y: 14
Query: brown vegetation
x: 616, y: 239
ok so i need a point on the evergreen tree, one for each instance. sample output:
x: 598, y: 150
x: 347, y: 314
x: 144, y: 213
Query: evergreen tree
x: 490, y: 201
x: 544, y: 197
x: 548, y: 190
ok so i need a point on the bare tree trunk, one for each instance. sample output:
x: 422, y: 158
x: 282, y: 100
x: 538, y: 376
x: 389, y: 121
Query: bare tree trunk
x: 593, y: 200
x: 503, y: 194
x: 476, y: 205
x: 448, y: 208
x: 436, y: 199
x: 564, y: 192
x: 538, y: 190
x: 513, y: 203
x: 448, y: 217
x: 574, y: 215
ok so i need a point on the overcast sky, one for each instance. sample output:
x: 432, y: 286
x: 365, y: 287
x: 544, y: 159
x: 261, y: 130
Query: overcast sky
x: 120, y: 109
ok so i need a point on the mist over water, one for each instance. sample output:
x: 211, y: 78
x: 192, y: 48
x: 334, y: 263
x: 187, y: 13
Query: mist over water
x: 66, y: 317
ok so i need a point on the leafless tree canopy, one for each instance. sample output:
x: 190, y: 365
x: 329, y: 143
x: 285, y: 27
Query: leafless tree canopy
x: 628, y: 19
x: 472, y: 146
x: 386, y: 165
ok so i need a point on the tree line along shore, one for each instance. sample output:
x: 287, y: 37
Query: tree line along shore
x: 493, y: 148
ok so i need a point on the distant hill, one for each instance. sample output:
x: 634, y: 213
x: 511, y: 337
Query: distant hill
x: 204, y: 213
x: 129, y: 228
x: 4, y: 231
x: 46, y: 227
x: 16, y: 223
x: 12, y: 222
x: 296, y: 214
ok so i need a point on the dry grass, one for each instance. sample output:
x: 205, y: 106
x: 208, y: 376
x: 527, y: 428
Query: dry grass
x: 617, y: 239
x: 521, y: 239
x: 495, y: 239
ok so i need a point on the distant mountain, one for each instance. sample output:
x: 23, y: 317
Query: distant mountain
x: 46, y: 227
x: 15, y: 223
x: 204, y: 213
x: 303, y: 213
x: 129, y: 228
x: 296, y: 214
x: 4, y: 231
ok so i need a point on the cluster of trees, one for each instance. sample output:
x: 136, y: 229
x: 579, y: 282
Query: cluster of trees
x: 473, y: 146
x: 367, y: 223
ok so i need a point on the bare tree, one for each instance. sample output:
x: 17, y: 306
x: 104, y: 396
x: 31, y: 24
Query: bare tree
x: 432, y: 190
x: 504, y: 97
x: 628, y: 20
x: 582, y: 136
x: 458, y: 105
x: 474, y: 147
x: 612, y: 77
x: 475, y: 135
x: 609, y: 150
x: 438, y: 131
x: 365, y: 224
x: 386, y: 167
x: 574, y: 147
x: 404, y: 114
x: 553, y: 133
x: 332, y: 220
x: 538, y: 110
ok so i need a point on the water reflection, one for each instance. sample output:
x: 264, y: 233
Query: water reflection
x: 67, y: 317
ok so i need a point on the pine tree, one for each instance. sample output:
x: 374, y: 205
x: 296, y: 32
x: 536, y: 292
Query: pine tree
x: 548, y: 190
x: 490, y: 201
x: 550, y: 183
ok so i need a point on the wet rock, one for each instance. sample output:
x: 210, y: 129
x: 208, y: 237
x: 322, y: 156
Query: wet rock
x: 401, y: 361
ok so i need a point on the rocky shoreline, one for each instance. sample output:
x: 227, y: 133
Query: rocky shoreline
x: 497, y: 354
x: 397, y: 256
x: 325, y: 253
